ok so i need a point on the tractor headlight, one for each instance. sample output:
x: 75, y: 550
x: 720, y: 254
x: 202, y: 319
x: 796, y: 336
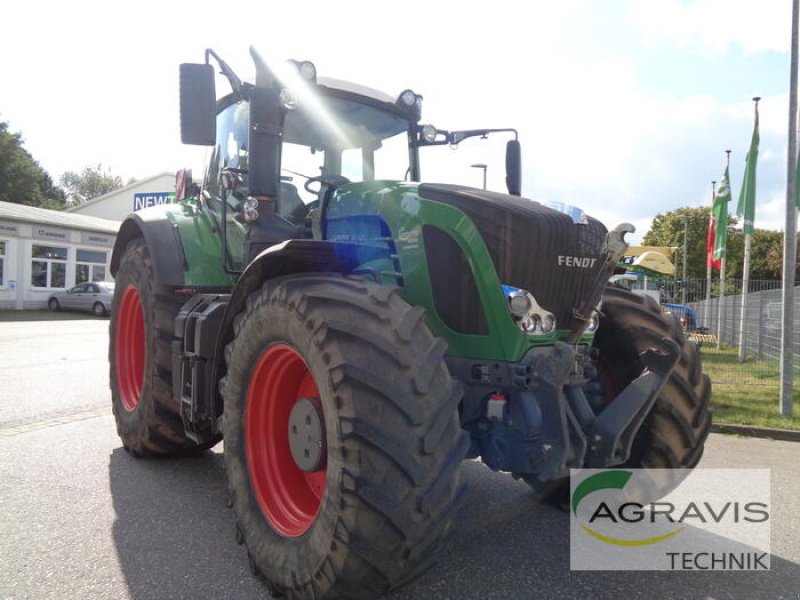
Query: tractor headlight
x: 519, y: 303
x: 526, y: 312
x: 548, y: 323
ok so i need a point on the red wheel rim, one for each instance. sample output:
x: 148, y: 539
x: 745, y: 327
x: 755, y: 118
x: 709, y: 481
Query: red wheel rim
x: 289, y: 497
x: 129, y: 348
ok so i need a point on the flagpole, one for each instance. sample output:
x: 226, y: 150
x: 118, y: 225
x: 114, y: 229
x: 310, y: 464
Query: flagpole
x: 723, y: 264
x: 709, y: 260
x: 721, y: 300
x: 790, y: 232
x: 748, y: 236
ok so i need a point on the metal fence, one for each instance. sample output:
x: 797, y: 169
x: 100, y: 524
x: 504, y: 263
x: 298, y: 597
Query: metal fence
x: 692, y: 291
x: 715, y: 325
x: 721, y: 321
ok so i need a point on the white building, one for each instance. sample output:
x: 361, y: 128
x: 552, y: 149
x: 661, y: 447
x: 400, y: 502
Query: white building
x: 116, y: 205
x: 42, y: 251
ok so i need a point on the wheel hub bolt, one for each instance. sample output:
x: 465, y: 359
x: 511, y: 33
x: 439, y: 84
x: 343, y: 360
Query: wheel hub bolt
x: 307, y: 436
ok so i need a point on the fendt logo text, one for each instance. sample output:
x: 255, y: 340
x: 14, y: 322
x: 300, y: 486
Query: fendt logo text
x: 576, y: 262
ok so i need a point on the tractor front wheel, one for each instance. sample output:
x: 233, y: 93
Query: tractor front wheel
x: 674, y: 434
x: 342, y: 440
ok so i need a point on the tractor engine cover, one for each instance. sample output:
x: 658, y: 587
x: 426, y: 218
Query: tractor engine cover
x: 561, y: 260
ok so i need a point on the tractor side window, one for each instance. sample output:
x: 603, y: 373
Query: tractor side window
x: 230, y: 152
x: 352, y: 167
x: 298, y: 163
x: 392, y: 158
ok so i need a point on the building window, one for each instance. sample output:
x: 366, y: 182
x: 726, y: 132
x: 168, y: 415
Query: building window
x: 90, y: 265
x: 2, y: 263
x: 48, y: 267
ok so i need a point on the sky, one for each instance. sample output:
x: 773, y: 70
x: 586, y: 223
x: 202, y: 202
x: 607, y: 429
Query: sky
x: 624, y: 108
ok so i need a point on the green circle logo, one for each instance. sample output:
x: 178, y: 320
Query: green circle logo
x: 611, y: 480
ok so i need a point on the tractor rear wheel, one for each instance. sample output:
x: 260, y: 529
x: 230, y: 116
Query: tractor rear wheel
x: 342, y: 439
x: 141, y: 331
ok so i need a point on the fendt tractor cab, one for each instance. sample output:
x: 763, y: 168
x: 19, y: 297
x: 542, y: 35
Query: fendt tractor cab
x: 354, y: 334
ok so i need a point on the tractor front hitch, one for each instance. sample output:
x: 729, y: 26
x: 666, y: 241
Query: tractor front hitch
x: 533, y: 418
x: 612, y: 433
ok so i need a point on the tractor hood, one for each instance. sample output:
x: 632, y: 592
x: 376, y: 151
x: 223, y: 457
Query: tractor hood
x: 562, y: 260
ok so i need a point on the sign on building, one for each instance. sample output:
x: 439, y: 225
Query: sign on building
x: 149, y: 199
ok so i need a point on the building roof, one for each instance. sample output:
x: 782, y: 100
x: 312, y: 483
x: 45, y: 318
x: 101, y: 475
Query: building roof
x: 122, y: 190
x: 12, y: 211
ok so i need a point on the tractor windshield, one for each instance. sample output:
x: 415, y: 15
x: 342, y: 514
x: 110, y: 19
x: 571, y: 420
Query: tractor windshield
x: 330, y: 136
x: 343, y: 136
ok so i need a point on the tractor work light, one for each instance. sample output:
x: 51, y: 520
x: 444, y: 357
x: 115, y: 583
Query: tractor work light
x: 408, y: 98
x: 526, y: 312
x: 288, y: 101
x: 429, y: 133
x: 250, y: 209
x: 306, y: 69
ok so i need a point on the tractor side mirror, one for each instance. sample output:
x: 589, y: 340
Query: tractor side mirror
x: 514, y: 168
x: 198, y: 104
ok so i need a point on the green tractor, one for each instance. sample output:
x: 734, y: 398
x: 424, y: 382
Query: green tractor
x: 354, y: 334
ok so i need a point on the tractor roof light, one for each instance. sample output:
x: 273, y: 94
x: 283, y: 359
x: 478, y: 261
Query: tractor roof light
x: 410, y: 101
x: 407, y: 98
x: 306, y: 70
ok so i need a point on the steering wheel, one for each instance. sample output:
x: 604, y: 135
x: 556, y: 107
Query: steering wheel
x: 328, y: 180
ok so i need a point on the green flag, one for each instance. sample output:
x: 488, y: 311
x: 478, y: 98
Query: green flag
x: 719, y: 214
x: 747, y: 197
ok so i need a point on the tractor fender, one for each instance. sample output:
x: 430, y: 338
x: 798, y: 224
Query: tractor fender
x: 291, y: 257
x: 162, y: 239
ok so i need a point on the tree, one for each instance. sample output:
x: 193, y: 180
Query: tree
x: 667, y: 230
x: 22, y: 180
x: 90, y: 183
x: 766, y: 251
x: 766, y: 254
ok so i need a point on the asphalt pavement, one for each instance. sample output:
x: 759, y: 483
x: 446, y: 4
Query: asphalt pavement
x: 80, y: 518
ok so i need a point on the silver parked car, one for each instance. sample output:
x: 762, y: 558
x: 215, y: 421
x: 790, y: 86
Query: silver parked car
x: 94, y: 297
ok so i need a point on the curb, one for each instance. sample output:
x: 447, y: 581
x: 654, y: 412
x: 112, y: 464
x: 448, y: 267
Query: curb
x: 784, y: 435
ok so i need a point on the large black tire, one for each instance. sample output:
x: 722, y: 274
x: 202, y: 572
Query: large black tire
x: 393, y: 442
x: 141, y: 331
x: 674, y: 434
